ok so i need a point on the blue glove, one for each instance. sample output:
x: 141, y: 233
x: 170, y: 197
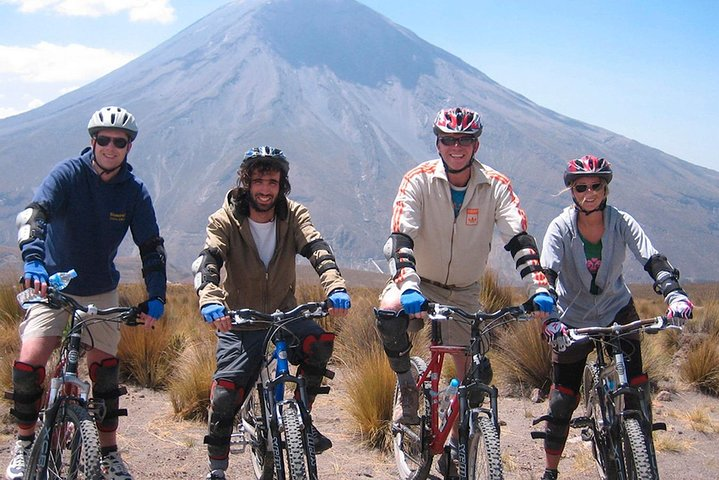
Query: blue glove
x: 544, y: 302
x: 212, y: 312
x: 412, y: 301
x: 35, y: 270
x: 340, y: 299
x: 155, y: 308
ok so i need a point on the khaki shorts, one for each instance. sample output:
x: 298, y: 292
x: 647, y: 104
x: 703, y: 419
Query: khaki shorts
x: 43, y: 321
x: 466, y: 298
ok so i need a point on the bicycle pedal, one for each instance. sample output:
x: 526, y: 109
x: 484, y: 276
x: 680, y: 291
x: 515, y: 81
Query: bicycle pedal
x: 238, y: 442
x: 580, y: 422
x: 659, y: 426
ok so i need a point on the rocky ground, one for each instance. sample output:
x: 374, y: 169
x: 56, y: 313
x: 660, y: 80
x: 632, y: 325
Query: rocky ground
x: 156, y: 446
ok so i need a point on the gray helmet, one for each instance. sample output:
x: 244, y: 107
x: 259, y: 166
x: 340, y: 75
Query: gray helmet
x: 113, y: 117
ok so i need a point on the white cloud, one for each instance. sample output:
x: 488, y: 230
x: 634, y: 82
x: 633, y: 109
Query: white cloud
x: 137, y: 10
x: 10, y: 111
x: 46, y: 62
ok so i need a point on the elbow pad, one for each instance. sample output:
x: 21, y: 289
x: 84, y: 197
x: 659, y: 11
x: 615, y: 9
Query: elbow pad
x: 666, y: 277
x: 31, y: 224
x: 320, y: 255
x: 206, y: 268
x: 525, y: 253
x: 398, y: 250
x: 153, y: 256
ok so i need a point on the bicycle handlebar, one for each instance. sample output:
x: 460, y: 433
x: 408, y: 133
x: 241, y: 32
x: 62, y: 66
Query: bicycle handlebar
x: 57, y: 299
x: 649, y: 325
x: 248, y: 316
x: 438, y: 311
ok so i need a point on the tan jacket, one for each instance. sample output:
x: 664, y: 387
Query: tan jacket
x: 248, y: 284
x: 454, y: 251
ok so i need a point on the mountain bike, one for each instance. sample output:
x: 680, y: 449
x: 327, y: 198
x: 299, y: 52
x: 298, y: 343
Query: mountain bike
x: 278, y: 427
x: 67, y: 445
x: 621, y: 438
x: 478, y: 451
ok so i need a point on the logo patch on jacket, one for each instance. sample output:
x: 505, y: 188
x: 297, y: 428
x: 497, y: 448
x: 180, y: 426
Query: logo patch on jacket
x: 472, y: 216
x: 117, y: 217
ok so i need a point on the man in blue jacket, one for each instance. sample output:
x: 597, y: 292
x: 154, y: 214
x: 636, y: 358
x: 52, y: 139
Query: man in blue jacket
x: 77, y: 220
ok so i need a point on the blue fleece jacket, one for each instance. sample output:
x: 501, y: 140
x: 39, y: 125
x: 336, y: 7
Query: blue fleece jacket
x: 88, y: 219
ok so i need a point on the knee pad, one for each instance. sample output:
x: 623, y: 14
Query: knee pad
x: 640, y: 382
x: 392, y: 330
x: 476, y: 397
x: 225, y: 400
x: 105, y: 378
x: 28, y: 382
x: 562, y: 403
x: 316, y: 352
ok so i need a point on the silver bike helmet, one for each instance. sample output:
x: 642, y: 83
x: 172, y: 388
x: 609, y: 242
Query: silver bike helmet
x: 113, y: 117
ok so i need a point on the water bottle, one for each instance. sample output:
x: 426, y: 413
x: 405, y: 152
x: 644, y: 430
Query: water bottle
x: 57, y: 280
x: 445, y: 399
x: 60, y: 280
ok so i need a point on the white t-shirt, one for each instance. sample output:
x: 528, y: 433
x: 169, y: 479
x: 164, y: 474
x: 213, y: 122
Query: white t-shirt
x: 265, y: 239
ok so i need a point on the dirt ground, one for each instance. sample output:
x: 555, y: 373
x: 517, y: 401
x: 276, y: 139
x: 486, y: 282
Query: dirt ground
x: 155, y: 446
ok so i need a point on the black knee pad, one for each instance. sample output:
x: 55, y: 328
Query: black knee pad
x: 105, y: 378
x: 392, y: 330
x: 28, y: 382
x: 562, y: 403
x: 317, y: 349
x: 476, y: 397
x: 225, y: 400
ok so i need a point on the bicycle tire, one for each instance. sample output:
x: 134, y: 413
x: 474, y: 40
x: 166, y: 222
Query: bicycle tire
x: 411, y: 442
x: 602, y: 449
x: 638, y: 456
x: 251, y: 418
x: 485, y: 455
x: 294, y: 445
x: 69, y: 448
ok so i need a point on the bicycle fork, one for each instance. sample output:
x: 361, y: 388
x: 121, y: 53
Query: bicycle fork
x: 468, y: 425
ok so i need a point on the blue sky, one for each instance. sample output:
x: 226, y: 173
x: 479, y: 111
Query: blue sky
x: 648, y: 70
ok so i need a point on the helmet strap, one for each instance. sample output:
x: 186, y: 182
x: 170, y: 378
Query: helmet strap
x: 456, y: 170
x: 106, y: 171
x: 579, y: 208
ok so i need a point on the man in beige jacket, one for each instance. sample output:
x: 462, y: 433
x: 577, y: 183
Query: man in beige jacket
x: 256, y: 236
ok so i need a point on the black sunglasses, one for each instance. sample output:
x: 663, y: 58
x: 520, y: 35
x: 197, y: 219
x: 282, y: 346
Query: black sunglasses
x: 104, y: 141
x: 582, y: 187
x: 452, y: 141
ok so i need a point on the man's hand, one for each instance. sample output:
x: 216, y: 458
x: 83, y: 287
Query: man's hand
x: 215, y: 313
x: 544, y: 304
x: 555, y: 332
x: 340, y: 303
x: 412, y: 302
x: 151, y: 311
x: 35, y: 276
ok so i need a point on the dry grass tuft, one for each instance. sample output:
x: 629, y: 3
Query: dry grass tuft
x: 189, y: 386
x: 670, y: 442
x: 701, y: 366
x: 369, y: 398
x: 521, y: 356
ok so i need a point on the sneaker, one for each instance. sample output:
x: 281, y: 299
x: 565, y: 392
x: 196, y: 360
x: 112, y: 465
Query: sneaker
x: 447, y: 464
x: 405, y: 410
x: 550, y: 474
x: 322, y: 443
x: 113, y: 468
x: 216, y: 475
x: 20, y: 454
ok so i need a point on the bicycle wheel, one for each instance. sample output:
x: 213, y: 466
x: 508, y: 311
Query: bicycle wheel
x: 69, y: 448
x: 251, y: 418
x: 411, y: 442
x: 485, y: 458
x: 602, y: 445
x: 638, y: 455
x: 293, y: 442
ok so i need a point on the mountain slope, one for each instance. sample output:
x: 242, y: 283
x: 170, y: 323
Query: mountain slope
x: 350, y: 97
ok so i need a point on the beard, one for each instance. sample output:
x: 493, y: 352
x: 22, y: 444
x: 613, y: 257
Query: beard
x: 261, y: 208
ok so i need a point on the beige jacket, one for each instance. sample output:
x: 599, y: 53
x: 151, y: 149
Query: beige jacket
x: 454, y: 251
x: 247, y: 283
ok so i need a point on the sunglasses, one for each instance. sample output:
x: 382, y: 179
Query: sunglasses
x: 582, y: 187
x: 452, y: 141
x: 104, y: 141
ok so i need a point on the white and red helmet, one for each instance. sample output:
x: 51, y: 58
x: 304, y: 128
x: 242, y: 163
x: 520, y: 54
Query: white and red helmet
x: 458, y: 120
x: 588, y: 165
